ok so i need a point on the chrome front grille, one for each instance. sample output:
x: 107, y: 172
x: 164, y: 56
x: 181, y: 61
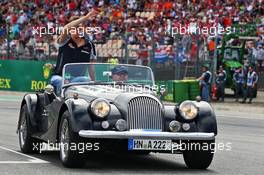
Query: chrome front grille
x: 144, y: 113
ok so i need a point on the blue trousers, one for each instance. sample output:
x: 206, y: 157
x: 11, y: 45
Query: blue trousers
x: 248, y: 93
x: 56, y: 81
x: 205, y: 93
x: 239, y: 89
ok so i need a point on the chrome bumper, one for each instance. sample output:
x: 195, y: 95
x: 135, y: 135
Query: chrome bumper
x: 146, y: 135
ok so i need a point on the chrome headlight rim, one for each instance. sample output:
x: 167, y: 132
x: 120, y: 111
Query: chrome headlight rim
x: 191, y: 106
x: 93, y: 108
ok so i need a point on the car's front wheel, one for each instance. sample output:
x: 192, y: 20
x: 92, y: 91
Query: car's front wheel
x: 200, y: 158
x: 69, y: 155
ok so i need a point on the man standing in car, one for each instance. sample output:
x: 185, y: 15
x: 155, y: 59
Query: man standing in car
x: 74, y: 47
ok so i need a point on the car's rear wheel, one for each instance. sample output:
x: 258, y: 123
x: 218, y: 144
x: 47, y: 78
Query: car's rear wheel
x: 199, y: 159
x: 27, y: 143
x: 69, y: 155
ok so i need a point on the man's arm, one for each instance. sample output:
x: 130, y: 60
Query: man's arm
x: 217, y: 79
x: 256, y: 80
x: 93, y: 58
x: 91, y: 70
x: 64, y: 35
x: 201, y: 77
x: 225, y: 75
x: 234, y: 77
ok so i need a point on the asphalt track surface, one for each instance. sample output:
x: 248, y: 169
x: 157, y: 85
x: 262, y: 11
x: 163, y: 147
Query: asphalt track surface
x: 244, y: 132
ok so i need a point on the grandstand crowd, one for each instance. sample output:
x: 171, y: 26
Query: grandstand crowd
x: 141, y: 25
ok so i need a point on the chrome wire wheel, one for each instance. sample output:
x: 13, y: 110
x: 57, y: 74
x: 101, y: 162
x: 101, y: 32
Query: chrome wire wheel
x: 64, y: 140
x: 23, y: 130
x: 69, y: 157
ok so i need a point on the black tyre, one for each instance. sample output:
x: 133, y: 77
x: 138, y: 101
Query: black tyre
x: 69, y: 157
x: 142, y: 153
x: 27, y: 143
x: 199, y: 159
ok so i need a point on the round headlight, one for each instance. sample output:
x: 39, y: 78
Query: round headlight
x: 188, y: 110
x: 100, y: 107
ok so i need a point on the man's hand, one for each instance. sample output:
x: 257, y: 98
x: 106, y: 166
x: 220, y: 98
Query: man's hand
x: 63, y: 36
x: 92, y: 14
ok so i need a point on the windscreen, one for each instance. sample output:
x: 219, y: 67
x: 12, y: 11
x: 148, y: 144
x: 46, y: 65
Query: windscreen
x: 106, y: 73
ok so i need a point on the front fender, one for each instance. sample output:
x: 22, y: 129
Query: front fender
x: 206, y: 119
x: 80, y: 118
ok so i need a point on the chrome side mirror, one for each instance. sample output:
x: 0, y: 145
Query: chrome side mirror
x: 49, y: 89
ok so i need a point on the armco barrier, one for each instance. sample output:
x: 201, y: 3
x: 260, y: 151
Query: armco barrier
x: 22, y: 75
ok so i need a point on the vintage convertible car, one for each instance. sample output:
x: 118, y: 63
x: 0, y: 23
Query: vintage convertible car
x: 104, y: 107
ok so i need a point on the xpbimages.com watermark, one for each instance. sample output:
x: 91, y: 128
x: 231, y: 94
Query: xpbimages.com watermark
x: 80, y: 147
x: 81, y: 31
x: 211, y: 31
x: 204, y: 146
x: 181, y: 146
x: 134, y: 88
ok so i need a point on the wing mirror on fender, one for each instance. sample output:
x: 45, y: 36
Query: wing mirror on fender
x: 49, y: 89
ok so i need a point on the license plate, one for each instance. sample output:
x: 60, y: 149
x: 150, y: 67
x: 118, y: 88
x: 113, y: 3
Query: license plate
x: 140, y: 144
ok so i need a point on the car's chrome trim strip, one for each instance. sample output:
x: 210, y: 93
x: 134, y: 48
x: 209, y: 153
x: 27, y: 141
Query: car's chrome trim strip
x: 146, y: 135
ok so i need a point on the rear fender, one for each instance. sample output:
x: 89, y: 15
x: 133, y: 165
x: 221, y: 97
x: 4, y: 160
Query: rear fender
x: 31, y: 102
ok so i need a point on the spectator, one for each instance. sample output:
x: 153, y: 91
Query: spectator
x: 239, y: 81
x: 260, y: 56
x: 211, y: 47
x: 205, y: 83
x: 220, y: 83
x: 252, y: 79
x: 112, y: 60
x: 119, y: 17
